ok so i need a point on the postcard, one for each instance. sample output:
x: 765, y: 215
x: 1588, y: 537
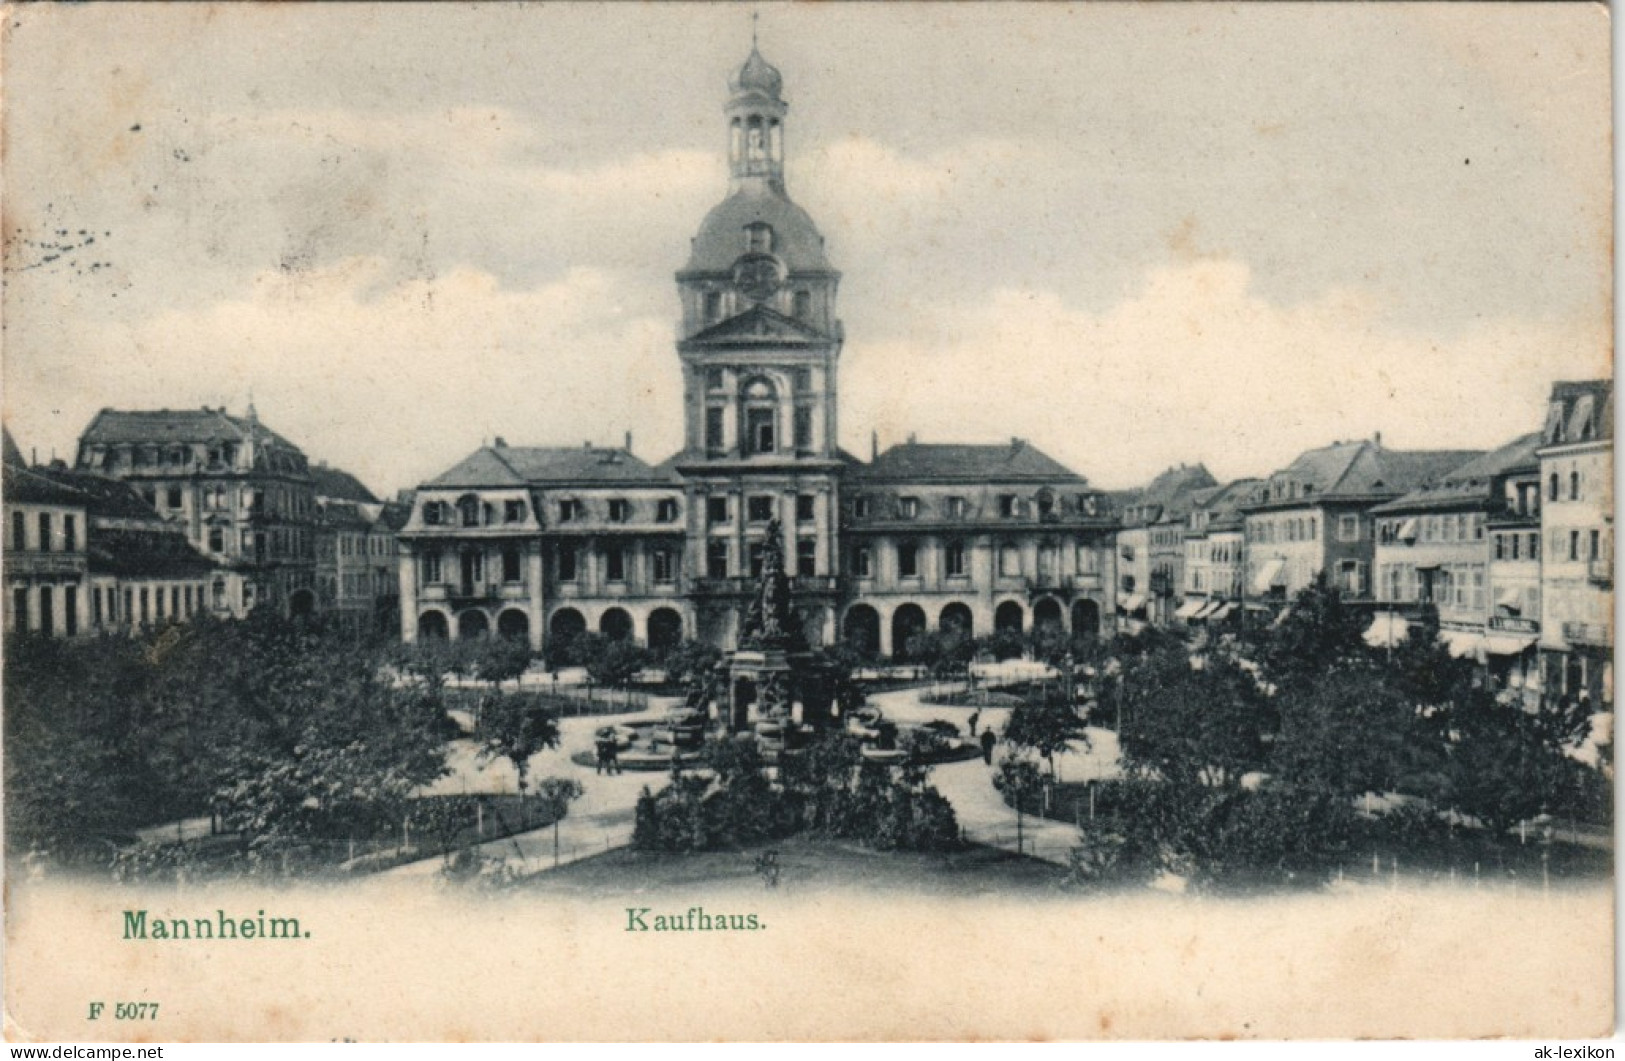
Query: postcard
x: 795, y: 522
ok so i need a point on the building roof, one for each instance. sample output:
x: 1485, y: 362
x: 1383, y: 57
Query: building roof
x: 720, y: 241
x: 1168, y: 496
x: 114, y: 426
x: 1471, y: 482
x: 1020, y: 461
x: 1360, y: 469
x: 506, y: 465
x: 394, y: 515
x: 333, y: 512
x: 340, y: 485
x: 1579, y: 412
x: 24, y: 486
x: 1223, y: 504
x: 12, y: 453
x: 157, y: 553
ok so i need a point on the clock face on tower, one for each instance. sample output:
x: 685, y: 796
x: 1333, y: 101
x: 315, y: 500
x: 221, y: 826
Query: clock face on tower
x: 758, y: 276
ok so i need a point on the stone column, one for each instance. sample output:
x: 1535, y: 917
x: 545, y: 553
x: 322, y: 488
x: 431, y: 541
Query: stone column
x: 407, y: 573
x: 535, y: 601
x: 824, y: 523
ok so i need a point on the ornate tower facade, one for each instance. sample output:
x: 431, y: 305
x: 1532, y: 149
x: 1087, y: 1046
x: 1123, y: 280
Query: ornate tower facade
x: 760, y: 343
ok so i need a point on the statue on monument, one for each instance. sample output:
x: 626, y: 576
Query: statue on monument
x: 767, y: 622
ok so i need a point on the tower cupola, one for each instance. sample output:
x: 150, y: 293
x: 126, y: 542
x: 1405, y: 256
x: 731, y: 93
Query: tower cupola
x: 756, y: 110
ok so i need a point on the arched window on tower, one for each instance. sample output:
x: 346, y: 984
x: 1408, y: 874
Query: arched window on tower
x: 761, y: 416
x: 803, y: 304
x: 759, y: 237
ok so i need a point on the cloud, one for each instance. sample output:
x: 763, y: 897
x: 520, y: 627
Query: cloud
x: 1196, y: 366
x: 392, y: 381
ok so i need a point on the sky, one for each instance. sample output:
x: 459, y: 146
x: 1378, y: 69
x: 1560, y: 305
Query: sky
x: 1136, y: 235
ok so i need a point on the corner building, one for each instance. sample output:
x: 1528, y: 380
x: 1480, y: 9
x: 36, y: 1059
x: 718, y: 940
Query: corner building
x: 599, y: 540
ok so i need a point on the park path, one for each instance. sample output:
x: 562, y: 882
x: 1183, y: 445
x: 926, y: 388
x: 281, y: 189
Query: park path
x: 981, y: 810
x: 603, y: 817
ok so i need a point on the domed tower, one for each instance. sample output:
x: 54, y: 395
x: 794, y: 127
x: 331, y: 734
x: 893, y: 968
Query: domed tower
x: 759, y: 342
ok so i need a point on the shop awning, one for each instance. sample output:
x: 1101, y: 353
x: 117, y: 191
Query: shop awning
x: 1269, y: 576
x: 1207, y: 609
x: 1219, y: 611
x: 1509, y: 598
x: 1501, y: 644
x: 1387, y: 629
x: 1131, y: 602
x: 1407, y: 530
x: 1464, y: 644
x: 1189, y: 609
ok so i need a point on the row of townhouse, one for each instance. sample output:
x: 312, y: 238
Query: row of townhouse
x: 1511, y: 548
x: 246, y: 521
x: 85, y: 554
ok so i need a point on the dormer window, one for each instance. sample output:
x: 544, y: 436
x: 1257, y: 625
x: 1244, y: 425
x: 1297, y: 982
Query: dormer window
x: 803, y: 305
x: 759, y: 238
x: 434, y: 513
x: 956, y: 508
x: 620, y: 510
x: 908, y: 507
x: 860, y: 507
x: 569, y: 510
x: 513, y: 511
x: 468, y: 510
x: 666, y: 511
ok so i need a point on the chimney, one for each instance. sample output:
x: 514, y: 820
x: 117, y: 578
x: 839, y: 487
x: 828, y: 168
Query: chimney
x: 912, y: 438
x: 501, y: 443
x: 628, y: 446
x: 874, y: 445
x: 1376, y: 439
x: 587, y: 444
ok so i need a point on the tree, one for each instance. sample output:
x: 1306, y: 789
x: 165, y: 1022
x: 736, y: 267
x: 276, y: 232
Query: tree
x: 1047, y: 725
x: 1319, y: 630
x: 516, y: 728
x: 556, y: 794
x: 1193, y: 722
x: 1018, y: 779
x: 688, y: 661
x: 1506, y: 765
x: 1353, y: 732
x: 499, y: 659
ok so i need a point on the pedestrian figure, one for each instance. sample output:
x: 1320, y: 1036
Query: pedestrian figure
x: 988, y: 741
x: 974, y: 717
x: 614, y: 755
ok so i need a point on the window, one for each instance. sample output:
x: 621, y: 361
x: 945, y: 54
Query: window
x: 143, y: 599
x: 1534, y: 545
x: 806, y: 557
x: 804, y: 508
x: 19, y: 532
x: 1501, y: 546
x: 1552, y: 488
x: 1596, y: 544
x: 716, y: 510
x: 569, y: 510
x: 713, y: 305
x: 1008, y: 507
x: 755, y: 552
x: 803, y: 304
x: 1009, y: 561
x: 513, y: 510
x: 434, y: 513
x: 1574, y: 545
x: 566, y: 562
x: 956, y: 508
x: 759, y: 429
x: 96, y: 606
x: 908, y: 507
x: 431, y: 569
x: 510, y: 563
x: 47, y: 616
x: 615, y: 563
x: 860, y: 508
x: 803, y: 427
x: 70, y: 610
x: 760, y: 509
x: 759, y: 237
x: 175, y: 601
x: 713, y: 379
x: 1088, y: 560
x: 1348, y: 528
x: 619, y: 510
x: 863, y: 562
x: 666, y: 510
x: 713, y: 427
x: 468, y: 511
x: 1574, y: 486
x: 908, y: 560
x: 953, y: 559
x: 664, y: 568
x: 70, y: 534
x: 716, y: 559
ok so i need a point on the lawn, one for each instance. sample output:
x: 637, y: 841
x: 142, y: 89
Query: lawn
x: 805, y: 865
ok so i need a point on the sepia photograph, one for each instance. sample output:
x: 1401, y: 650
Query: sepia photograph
x: 588, y: 522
